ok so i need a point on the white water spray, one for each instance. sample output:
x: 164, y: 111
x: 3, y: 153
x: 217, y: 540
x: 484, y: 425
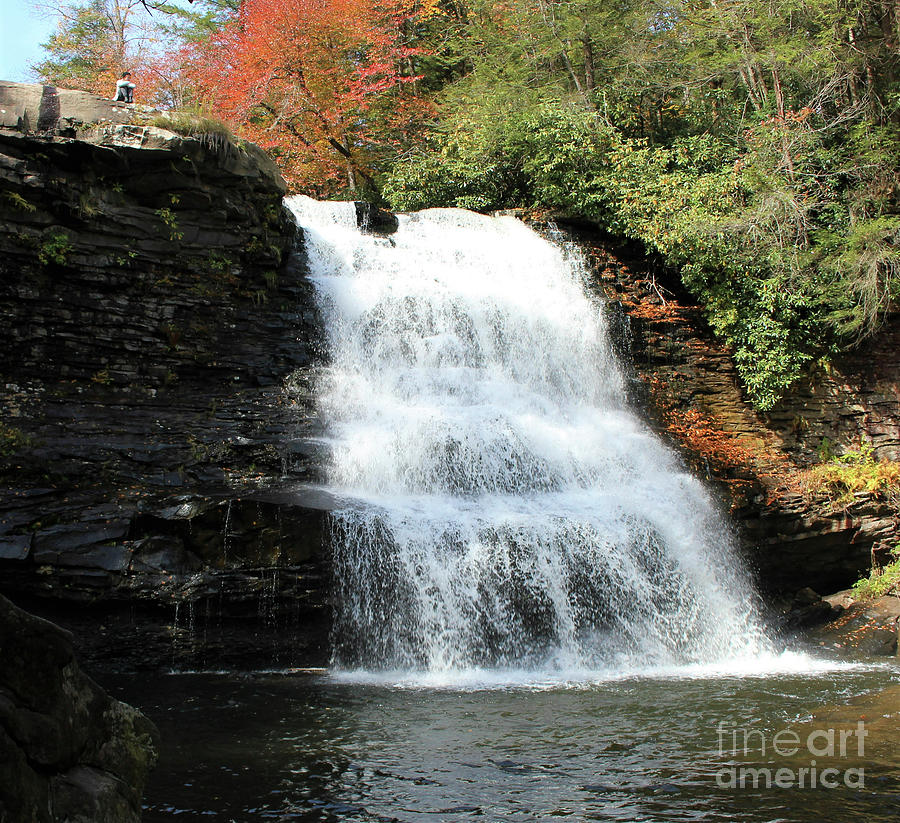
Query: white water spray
x: 508, y: 509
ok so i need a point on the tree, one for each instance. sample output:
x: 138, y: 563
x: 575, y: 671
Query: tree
x: 328, y: 86
x: 753, y: 145
x: 95, y: 42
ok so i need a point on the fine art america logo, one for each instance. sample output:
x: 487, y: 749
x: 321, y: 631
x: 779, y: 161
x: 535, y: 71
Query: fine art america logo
x: 832, y: 744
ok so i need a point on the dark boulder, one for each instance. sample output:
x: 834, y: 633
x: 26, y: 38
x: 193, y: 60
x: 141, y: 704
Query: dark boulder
x: 808, y: 608
x: 373, y: 220
x: 68, y: 751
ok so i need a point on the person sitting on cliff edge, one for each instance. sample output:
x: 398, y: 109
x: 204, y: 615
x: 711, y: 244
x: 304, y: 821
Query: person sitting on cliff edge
x: 124, y: 89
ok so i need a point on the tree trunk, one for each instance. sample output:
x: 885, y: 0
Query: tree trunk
x: 762, y: 89
x: 571, y: 70
x: 853, y: 79
x: 118, y: 20
x: 748, y: 80
x: 587, y: 50
x: 779, y: 92
x: 351, y: 174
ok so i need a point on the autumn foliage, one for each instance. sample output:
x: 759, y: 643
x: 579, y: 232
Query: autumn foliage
x: 327, y: 86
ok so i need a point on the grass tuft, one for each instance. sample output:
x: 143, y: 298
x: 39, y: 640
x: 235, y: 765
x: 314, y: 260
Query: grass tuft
x: 843, y: 476
x: 208, y: 130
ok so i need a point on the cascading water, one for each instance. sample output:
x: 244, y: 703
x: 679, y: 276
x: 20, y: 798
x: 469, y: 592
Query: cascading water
x: 505, y: 508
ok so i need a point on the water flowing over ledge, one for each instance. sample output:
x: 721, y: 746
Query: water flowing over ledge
x: 512, y: 512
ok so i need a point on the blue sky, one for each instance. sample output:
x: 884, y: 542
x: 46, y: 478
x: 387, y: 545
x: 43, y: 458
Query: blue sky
x: 22, y: 30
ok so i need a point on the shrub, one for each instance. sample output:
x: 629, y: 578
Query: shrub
x: 55, y: 248
x: 881, y: 581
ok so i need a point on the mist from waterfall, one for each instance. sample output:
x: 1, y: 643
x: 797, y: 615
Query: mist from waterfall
x: 505, y: 508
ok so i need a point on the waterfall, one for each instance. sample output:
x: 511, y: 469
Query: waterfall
x: 504, y: 507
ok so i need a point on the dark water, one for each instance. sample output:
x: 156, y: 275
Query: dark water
x: 288, y: 747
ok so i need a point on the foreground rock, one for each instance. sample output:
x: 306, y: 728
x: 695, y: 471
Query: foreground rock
x: 68, y: 751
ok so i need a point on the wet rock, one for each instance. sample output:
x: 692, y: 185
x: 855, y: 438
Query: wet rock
x: 808, y: 608
x: 162, y: 554
x: 373, y: 220
x: 57, y: 541
x: 806, y: 597
x: 67, y: 750
x: 15, y: 547
x: 863, y: 626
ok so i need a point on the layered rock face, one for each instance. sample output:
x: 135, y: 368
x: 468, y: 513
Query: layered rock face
x: 144, y: 232
x: 152, y: 312
x: 68, y: 751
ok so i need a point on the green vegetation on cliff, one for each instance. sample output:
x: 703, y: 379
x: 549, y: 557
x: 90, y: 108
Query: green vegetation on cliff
x: 753, y: 146
x: 843, y: 476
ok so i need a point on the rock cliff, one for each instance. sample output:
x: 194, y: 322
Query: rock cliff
x: 153, y: 310
x: 686, y: 381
